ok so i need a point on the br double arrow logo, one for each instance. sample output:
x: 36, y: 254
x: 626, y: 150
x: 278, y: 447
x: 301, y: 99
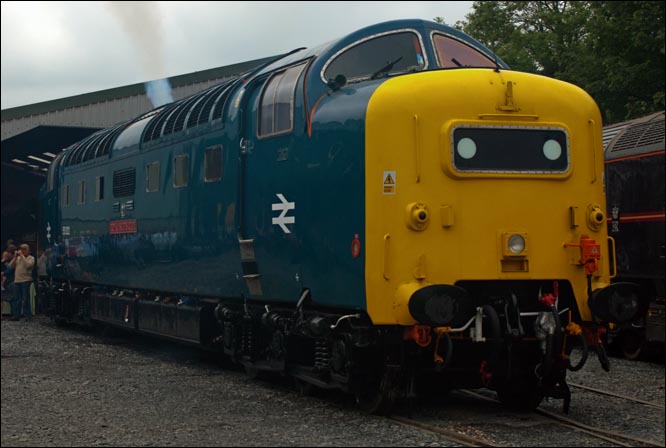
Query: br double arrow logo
x: 284, y: 206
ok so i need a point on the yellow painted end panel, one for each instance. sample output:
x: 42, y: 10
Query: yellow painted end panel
x: 409, y: 121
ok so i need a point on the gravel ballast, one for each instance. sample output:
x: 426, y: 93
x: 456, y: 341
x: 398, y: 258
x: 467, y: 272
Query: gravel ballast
x: 64, y: 386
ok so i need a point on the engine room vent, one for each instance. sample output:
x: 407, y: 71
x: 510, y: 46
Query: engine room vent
x: 642, y: 135
x: 124, y: 182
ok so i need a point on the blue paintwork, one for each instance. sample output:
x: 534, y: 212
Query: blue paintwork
x: 188, y: 238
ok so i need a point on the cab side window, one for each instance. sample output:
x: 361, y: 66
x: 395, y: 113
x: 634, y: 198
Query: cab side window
x: 276, y: 108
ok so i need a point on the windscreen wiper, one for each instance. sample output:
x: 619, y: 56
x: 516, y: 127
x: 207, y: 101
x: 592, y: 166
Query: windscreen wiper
x: 385, y: 68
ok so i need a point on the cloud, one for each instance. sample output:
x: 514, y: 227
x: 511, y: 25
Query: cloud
x: 56, y: 49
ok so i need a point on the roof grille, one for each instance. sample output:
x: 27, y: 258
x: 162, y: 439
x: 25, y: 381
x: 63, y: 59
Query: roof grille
x: 105, y: 145
x: 154, y: 128
x: 204, y: 114
x: 221, y: 102
x: 644, y: 134
x: 124, y: 182
x: 177, y: 118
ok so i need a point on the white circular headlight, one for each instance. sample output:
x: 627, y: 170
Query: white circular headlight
x: 516, y: 244
x: 466, y: 148
x: 552, y: 150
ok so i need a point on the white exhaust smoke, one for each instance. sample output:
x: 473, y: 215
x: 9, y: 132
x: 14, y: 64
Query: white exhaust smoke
x: 159, y: 92
x: 143, y: 24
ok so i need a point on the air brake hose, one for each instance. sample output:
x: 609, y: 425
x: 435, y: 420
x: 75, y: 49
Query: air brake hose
x: 495, y: 339
x: 443, y: 361
x: 583, y: 358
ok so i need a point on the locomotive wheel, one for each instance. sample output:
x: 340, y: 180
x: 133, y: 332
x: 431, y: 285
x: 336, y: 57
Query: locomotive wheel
x: 523, y: 396
x: 631, y: 345
x: 377, y: 397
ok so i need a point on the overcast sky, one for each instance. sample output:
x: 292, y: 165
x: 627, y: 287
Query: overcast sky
x: 56, y: 49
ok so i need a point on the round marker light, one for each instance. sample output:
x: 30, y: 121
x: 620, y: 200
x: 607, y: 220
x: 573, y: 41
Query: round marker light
x: 516, y: 244
x: 552, y: 150
x: 466, y: 148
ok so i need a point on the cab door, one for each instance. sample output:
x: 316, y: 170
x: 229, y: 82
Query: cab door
x: 270, y: 193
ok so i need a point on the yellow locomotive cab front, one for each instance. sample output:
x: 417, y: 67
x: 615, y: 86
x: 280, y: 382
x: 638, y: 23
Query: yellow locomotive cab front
x: 477, y: 175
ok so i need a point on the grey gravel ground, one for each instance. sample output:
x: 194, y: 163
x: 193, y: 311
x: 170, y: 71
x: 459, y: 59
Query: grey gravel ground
x: 68, y: 387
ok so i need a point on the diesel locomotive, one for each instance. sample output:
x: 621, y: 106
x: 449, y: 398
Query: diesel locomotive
x: 634, y: 156
x: 391, y: 213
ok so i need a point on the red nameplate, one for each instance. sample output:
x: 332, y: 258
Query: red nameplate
x: 124, y: 226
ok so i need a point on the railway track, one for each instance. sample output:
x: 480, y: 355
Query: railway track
x: 612, y: 394
x: 613, y: 437
x: 453, y: 436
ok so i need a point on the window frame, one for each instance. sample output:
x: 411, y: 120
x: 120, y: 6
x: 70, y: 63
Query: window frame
x: 330, y: 60
x: 536, y: 173
x: 205, y: 171
x: 292, y: 103
x: 175, y: 158
x: 81, y: 193
x: 99, y: 188
x: 464, y: 42
x: 157, y: 188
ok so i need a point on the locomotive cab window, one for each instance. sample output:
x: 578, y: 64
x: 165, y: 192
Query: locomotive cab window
x: 82, y: 193
x: 65, y: 196
x: 99, y: 188
x: 153, y: 177
x: 452, y: 53
x: 213, y: 164
x: 399, y: 52
x: 181, y: 171
x: 276, y: 107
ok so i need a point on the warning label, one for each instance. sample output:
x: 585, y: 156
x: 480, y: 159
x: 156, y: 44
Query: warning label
x: 389, y: 182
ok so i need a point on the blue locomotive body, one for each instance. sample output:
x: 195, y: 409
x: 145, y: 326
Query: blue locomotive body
x: 108, y: 226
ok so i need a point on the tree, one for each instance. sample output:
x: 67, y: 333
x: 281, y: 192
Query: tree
x: 614, y: 50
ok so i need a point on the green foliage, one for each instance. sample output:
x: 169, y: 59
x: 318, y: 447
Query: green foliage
x: 612, y: 49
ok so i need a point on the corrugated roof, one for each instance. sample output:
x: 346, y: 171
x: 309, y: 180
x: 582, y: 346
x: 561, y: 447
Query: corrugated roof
x: 129, y: 90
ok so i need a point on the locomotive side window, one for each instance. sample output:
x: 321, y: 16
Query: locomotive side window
x: 153, y: 177
x: 181, y: 171
x: 389, y: 54
x: 124, y: 182
x: 82, y: 193
x: 452, y: 53
x: 99, y: 188
x: 65, y: 196
x: 276, y: 109
x: 213, y: 164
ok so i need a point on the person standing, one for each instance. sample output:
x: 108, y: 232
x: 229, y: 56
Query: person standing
x: 23, y: 263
